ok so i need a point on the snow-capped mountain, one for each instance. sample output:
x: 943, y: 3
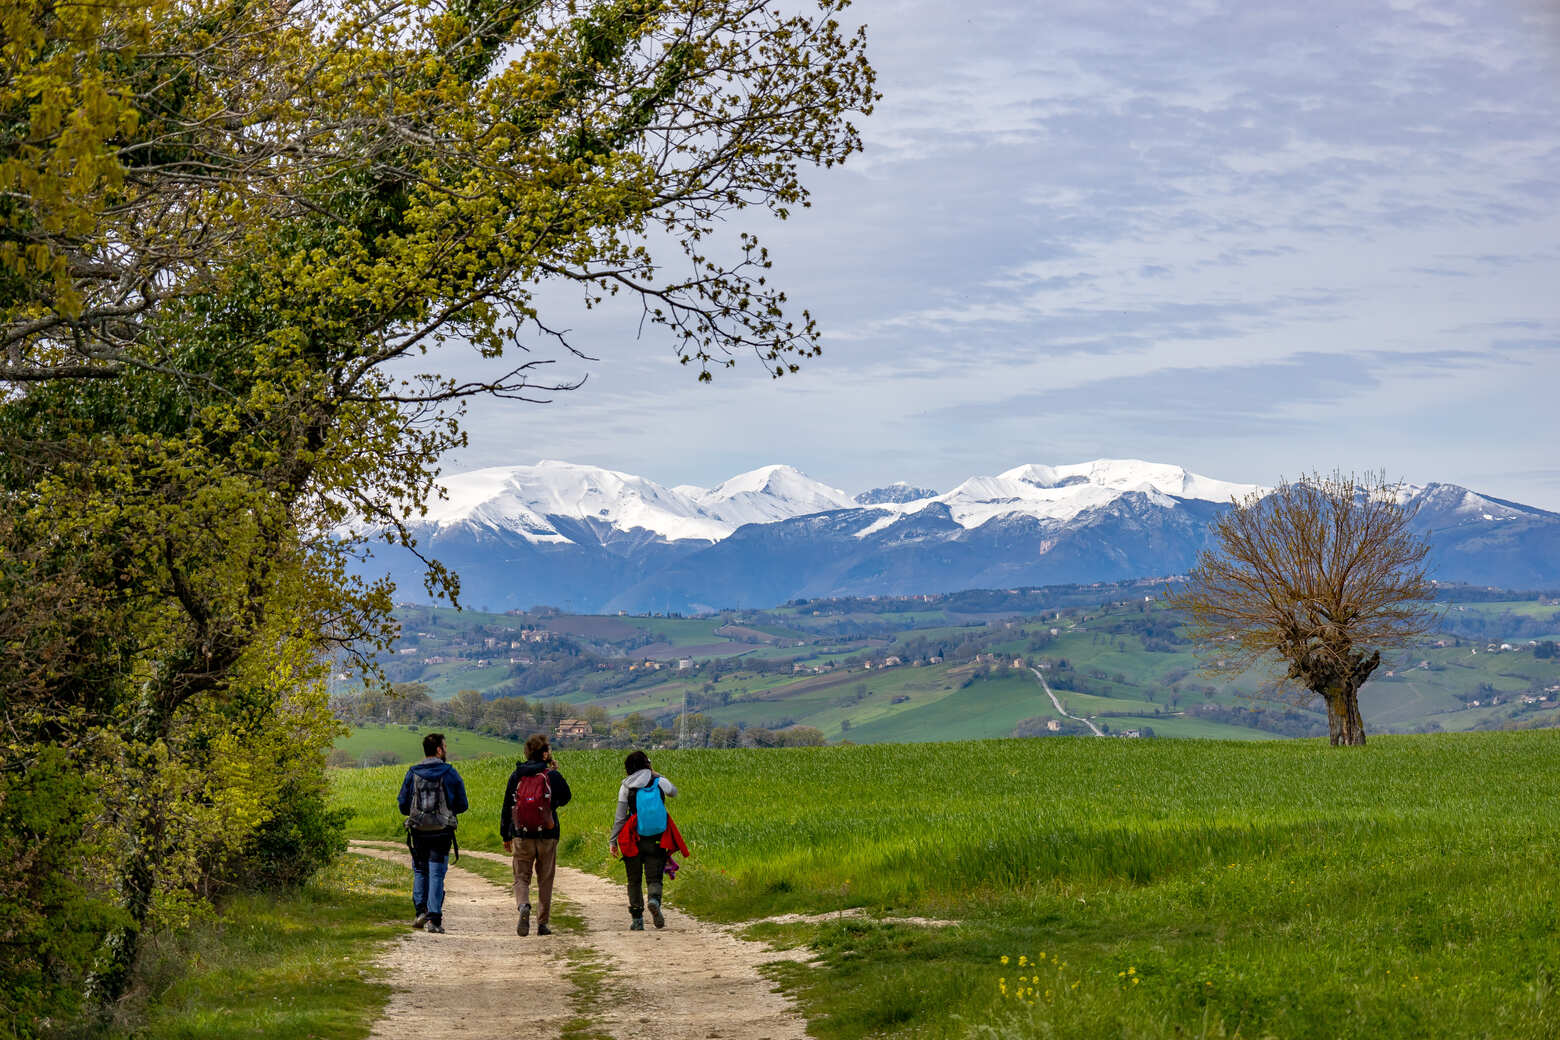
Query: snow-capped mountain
x: 1063, y: 492
x: 527, y: 500
x: 592, y: 539
x: 765, y: 495
x: 521, y: 499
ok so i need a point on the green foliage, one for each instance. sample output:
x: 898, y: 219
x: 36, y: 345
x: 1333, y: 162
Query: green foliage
x: 52, y: 912
x: 223, y: 247
x: 303, y: 835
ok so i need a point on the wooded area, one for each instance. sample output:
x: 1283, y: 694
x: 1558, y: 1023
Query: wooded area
x: 228, y: 232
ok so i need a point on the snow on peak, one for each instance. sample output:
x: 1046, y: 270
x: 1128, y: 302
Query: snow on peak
x: 520, y: 498
x: 1062, y: 492
x: 1123, y: 475
x: 770, y: 493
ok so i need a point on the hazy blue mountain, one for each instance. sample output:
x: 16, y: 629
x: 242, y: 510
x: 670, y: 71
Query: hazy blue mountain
x: 593, y: 540
x: 899, y: 492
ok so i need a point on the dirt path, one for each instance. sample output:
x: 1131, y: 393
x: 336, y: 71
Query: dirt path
x: 480, y: 981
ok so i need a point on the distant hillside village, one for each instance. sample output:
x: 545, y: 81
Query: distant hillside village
x: 861, y: 669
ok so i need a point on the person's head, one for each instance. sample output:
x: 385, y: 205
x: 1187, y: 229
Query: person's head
x: 433, y: 745
x: 636, y: 761
x: 536, y: 747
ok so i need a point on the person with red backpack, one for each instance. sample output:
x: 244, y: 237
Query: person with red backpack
x: 638, y: 832
x: 529, y: 826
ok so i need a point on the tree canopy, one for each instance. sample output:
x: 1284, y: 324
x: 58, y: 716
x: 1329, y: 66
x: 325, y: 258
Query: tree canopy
x: 229, y: 230
x: 1320, y: 574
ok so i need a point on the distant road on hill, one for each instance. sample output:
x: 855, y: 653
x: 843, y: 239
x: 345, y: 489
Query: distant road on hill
x: 1060, y: 710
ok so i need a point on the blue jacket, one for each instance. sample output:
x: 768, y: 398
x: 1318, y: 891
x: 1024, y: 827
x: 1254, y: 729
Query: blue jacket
x: 431, y: 769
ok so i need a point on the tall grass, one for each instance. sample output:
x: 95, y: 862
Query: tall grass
x: 291, y: 966
x: 1259, y: 887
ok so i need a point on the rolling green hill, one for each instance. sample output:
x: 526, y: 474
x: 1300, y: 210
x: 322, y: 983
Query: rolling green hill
x: 934, y: 667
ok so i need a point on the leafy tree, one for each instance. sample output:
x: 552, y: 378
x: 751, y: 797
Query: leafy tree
x: 227, y: 231
x: 466, y: 709
x: 1320, y: 573
x: 761, y: 737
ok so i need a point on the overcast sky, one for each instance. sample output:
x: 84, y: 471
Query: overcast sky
x: 1251, y: 238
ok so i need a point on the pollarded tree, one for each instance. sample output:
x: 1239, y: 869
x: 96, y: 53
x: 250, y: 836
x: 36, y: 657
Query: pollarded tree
x: 1321, y: 573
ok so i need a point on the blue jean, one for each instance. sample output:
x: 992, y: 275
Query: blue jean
x: 430, y: 860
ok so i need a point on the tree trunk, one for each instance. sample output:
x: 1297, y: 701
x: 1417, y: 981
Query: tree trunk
x: 138, y: 874
x: 111, y: 975
x: 1344, y: 726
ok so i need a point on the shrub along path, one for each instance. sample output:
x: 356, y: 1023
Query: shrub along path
x: 479, y: 980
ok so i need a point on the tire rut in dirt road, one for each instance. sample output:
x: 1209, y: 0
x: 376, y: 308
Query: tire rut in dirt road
x: 688, y: 981
x: 468, y: 983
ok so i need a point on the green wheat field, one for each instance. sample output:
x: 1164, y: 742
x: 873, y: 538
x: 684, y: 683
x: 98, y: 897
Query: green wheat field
x: 1112, y: 888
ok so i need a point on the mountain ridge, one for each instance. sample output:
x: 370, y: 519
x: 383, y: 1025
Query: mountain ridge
x: 596, y: 539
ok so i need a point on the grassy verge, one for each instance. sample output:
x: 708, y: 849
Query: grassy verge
x: 1152, y: 888
x: 293, y: 966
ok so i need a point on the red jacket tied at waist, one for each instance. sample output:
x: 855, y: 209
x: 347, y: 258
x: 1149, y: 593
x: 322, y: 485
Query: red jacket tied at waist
x: 671, y: 838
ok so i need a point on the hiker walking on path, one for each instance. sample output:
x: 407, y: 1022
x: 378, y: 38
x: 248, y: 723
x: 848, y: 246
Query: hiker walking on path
x: 432, y: 796
x: 528, y: 824
x: 644, y: 833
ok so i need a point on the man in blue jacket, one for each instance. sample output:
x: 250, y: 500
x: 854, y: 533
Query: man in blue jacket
x: 432, y: 795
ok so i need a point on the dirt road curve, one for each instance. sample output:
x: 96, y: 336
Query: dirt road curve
x: 1076, y: 718
x: 480, y: 981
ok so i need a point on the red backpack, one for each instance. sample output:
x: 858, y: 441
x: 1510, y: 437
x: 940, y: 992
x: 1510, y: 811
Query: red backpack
x: 533, y: 804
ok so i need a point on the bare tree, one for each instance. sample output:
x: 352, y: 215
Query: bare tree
x: 1320, y: 573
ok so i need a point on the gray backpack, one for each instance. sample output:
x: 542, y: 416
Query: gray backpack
x: 430, y: 811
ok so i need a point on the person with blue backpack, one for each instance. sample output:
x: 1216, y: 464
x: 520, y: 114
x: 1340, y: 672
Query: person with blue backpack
x: 432, y: 795
x: 637, y: 831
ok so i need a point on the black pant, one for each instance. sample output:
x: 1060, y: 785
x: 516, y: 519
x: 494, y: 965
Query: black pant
x: 651, y: 863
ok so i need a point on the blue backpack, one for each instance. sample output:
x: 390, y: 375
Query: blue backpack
x: 650, y: 807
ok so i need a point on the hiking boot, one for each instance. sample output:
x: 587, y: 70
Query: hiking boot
x: 420, y: 920
x: 524, y: 927
x: 637, y: 925
x: 655, y: 914
x: 435, y: 927
x: 542, y: 929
